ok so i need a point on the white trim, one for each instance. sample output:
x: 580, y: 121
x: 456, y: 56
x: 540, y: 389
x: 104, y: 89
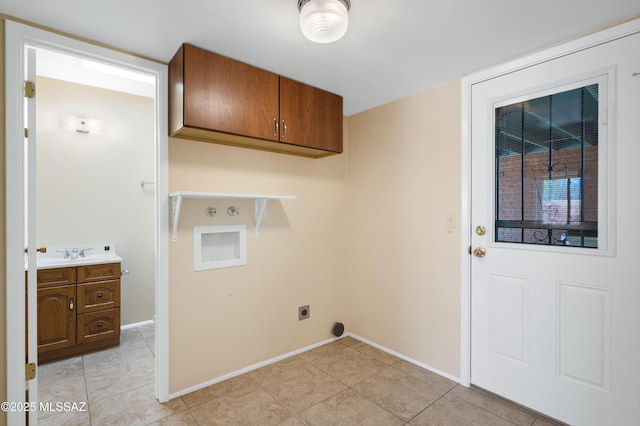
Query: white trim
x: 406, y: 358
x: 305, y: 349
x: 251, y: 368
x: 582, y: 43
x: 137, y: 324
x: 17, y: 36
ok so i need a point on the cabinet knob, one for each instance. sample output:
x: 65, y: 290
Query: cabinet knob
x: 99, y: 295
x: 99, y: 324
x: 276, y: 127
x: 71, y: 304
x: 284, y: 129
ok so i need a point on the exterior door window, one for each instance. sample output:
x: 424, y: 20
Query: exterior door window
x: 546, y: 168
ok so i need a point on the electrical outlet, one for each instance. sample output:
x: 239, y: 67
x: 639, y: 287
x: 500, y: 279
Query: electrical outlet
x: 303, y: 312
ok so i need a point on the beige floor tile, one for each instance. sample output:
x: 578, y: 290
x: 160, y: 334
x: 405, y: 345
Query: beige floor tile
x: 300, y: 387
x: 62, y: 418
x: 376, y: 353
x: 324, y: 350
x: 183, y: 418
x: 131, y: 338
x: 62, y: 381
x: 151, y: 344
x: 148, y: 330
x: 348, y: 408
x: 254, y: 408
x: 495, y: 405
x: 291, y: 421
x: 234, y: 387
x: 398, y: 392
x: 116, y: 376
x: 349, y: 341
x: 349, y: 366
x: 108, y: 358
x: 425, y: 375
x: 452, y: 411
x: 262, y: 374
x: 136, y: 406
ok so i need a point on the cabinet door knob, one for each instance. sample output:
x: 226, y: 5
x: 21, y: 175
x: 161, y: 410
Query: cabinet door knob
x: 71, y: 304
x: 284, y: 129
x: 276, y: 127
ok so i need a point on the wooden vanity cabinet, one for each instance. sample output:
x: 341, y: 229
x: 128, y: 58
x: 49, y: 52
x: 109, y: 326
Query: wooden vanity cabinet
x: 217, y: 99
x: 78, y: 310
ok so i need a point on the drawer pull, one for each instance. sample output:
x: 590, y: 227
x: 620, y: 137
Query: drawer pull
x: 99, y: 295
x: 99, y: 324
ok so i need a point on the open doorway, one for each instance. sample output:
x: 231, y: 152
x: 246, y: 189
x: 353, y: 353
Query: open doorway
x: 20, y: 39
x: 96, y: 188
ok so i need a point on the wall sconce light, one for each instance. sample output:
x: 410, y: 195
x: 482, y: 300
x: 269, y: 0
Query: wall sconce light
x: 324, y: 21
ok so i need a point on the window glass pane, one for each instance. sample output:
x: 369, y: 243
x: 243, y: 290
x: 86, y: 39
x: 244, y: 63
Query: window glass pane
x: 547, y: 169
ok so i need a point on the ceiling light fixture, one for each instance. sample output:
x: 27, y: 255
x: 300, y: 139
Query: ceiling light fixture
x: 324, y: 21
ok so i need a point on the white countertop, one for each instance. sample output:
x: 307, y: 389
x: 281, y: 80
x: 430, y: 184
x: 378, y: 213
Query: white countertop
x: 87, y: 260
x: 94, y: 254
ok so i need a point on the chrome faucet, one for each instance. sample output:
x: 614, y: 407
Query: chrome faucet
x: 74, y: 253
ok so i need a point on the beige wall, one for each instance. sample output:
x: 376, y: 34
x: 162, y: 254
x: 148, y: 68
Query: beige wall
x: 404, y: 268
x: 89, y: 184
x: 228, y: 319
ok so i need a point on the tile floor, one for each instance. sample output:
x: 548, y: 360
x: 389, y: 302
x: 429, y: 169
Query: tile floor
x: 346, y: 382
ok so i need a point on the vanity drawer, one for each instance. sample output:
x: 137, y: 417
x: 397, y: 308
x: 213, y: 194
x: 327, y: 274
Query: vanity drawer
x: 98, y: 296
x: 56, y: 276
x: 101, y: 272
x: 96, y: 326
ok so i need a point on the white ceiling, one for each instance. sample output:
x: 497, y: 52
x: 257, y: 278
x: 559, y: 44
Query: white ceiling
x: 392, y: 48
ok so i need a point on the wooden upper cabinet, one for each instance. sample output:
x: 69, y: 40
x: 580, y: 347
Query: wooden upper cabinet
x: 309, y: 116
x: 227, y: 95
x: 217, y: 99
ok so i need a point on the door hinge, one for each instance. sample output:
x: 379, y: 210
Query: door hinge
x: 26, y: 133
x: 29, y: 89
x: 30, y: 371
x: 469, y: 249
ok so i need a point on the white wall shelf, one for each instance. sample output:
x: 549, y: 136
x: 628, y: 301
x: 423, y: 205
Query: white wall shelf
x: 260, y: 205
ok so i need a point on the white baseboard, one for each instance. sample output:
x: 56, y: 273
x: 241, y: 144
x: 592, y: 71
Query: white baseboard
x: 406, y: 358
x: 299, y: 351
x: 250, y: 368
x: 137, y: 324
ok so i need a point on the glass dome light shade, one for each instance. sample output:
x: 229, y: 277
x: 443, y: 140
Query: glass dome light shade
x: 324, y: 21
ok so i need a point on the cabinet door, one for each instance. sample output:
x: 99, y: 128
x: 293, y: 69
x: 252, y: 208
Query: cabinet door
x: 225, y: 95
x: 56, y: 317
x: 313, y: 117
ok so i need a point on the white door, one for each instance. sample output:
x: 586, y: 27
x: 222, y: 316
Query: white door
x: 555, y: 296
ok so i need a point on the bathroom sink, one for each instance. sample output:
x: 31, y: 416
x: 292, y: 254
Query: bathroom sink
x: 94, y: 254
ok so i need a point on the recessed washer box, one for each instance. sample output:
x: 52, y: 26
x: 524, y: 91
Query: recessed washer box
x: 216, y: 247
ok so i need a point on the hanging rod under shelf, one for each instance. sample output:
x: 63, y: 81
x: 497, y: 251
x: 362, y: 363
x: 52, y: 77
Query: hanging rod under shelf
x: 260, y: 205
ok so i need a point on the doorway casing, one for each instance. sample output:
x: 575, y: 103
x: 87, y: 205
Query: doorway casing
x: 17, y: 37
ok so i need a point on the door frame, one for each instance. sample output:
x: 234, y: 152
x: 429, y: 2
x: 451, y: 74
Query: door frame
x: 590, y: 40
x: 17, y: 36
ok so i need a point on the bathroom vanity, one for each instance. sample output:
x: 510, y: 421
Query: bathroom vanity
x: 78, y: 305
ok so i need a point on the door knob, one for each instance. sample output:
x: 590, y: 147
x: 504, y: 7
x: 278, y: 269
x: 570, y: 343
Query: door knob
x: 480, y: 230
x: 479, y: 252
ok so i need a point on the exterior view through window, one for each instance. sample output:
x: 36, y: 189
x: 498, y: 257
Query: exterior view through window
x: 547, y: 169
